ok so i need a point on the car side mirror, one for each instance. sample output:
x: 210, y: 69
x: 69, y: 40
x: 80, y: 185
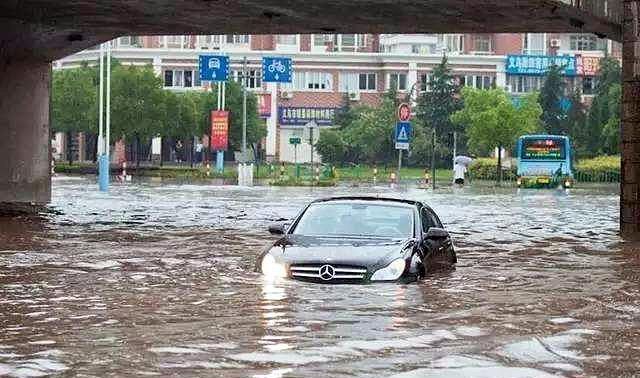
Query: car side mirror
x: 277, y: 228
x: 436, y: 233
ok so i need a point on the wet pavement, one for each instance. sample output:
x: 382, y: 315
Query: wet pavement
x: 156, y: 279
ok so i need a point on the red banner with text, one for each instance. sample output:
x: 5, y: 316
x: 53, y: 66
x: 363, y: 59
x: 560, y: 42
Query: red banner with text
x: 219, y: 130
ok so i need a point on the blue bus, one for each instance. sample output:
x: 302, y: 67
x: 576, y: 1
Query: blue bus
x: 544, y: 161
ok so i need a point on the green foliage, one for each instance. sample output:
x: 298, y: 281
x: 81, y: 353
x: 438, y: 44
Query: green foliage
x: 598, y: 169
x: 137, y: 103
x: 74, y: 100
x: 601, y: 120
x: 554, y: 118
x: 434, y: 111
x: 331, y: 146
x: 485, y: 169
x: 491, y: 119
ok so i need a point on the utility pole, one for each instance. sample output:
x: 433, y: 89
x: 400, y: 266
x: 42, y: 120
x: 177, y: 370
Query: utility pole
x: 399, y: 164
x: 244, y: 110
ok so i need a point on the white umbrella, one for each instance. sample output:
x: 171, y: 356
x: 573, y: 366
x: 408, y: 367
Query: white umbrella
x: 464, y: 160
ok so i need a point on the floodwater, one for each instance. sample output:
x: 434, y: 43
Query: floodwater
x: 156, y: 280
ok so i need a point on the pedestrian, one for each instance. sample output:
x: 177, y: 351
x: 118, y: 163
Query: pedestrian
x: 459, y: 171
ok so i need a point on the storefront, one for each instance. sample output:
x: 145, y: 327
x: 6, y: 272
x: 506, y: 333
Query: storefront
x: 297, y: 126
x: 525, y: 73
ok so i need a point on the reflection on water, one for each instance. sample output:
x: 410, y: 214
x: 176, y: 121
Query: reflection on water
x: 157, y: 279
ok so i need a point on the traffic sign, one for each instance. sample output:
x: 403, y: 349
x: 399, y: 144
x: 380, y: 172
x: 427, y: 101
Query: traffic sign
x: 296, y: 140
x: 214, y: 67
x: 404, y: 112
x: 403, y: 135
x: 276, y: 69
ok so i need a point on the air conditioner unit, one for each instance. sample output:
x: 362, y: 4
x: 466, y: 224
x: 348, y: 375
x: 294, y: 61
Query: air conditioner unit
x: 554, y: 43
x: 354, y: 96
x: 286, y: 94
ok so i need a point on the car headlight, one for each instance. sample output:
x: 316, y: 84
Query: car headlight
x: 390, y: 272
x: 567, y: 183
x: 271, y: 268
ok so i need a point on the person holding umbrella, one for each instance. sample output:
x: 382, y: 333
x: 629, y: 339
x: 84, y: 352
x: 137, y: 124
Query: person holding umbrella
x: 460, y: 164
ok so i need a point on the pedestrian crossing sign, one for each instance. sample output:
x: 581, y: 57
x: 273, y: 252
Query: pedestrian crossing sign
x: 403, y: 135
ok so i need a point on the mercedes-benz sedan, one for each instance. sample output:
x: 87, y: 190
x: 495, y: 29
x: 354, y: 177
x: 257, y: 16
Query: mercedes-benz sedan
x: 359, y: 239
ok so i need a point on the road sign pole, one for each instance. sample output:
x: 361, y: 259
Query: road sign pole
x: 311, y: 146
x: 295, y: 160
x: 399, y: 165
x: 455, y: 147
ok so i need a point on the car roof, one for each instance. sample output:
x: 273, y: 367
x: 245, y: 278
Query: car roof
x: 396, y: 201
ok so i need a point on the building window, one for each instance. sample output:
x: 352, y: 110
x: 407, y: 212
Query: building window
x: 254, y: 78
x: 210, y: 41
x: 482, y: 43
x: 398, y: 81
x: 533, y: 44
x: 585, y: 42
x: 175, y: 41
x: 310, y: 81
x: 452, y: 43
x: 478, y: 81
x: 321, y: 40
x: 524, y: 84
x: 178, y: 78
x: 129, y: 41
x: 351, y: 81
x: 238, y: 39
x: 348, y: 42
x: 287, y: 39
x: 588, y: 85
x: 424, y: 82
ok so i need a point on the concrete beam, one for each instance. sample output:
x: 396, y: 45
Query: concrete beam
x: 25, y: 180
x: 54, y: 29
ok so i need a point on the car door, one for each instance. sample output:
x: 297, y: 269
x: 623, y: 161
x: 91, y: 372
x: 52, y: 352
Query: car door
x: 441, y: 250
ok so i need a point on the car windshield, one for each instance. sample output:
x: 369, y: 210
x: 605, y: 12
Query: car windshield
x: 356, y: 219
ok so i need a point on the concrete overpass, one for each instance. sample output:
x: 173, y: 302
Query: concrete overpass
x: 35, y: 32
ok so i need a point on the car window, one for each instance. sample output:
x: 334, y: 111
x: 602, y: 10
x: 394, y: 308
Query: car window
x: 356, y: 219
x: 428, y: 219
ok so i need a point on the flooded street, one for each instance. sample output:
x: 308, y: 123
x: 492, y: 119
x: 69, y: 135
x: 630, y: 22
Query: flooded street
x: 155, y: 279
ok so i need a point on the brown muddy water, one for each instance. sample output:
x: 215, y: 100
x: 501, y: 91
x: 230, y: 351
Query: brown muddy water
x: 157, y: 280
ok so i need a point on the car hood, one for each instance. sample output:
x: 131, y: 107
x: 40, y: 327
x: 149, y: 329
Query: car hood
x: 295, y: 249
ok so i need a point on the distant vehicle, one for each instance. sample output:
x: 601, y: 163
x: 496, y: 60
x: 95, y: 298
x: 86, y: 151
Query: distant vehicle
x: 544, y: 161
x: 357, y: 240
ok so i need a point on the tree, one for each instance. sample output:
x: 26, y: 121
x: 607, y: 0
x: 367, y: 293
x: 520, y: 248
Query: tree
x: 600, y: 112
x: 438, y: 103
x: 73, y: 102
x: 492, y: 120
x: 576, y: 122
x: 611, y: 130
x: 551, y: 96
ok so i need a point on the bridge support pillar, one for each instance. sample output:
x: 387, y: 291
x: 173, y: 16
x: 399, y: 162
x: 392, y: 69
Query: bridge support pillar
x: 25, y: 172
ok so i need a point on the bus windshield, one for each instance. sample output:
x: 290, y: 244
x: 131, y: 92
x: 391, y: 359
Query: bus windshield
x: 543, y: 149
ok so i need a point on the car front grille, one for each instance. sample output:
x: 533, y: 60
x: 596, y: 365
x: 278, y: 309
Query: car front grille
x: 328, y: 272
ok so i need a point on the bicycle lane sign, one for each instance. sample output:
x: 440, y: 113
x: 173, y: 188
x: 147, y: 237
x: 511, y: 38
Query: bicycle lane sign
x: 276, y: 69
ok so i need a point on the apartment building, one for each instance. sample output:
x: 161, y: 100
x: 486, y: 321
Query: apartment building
x: 361, y: 67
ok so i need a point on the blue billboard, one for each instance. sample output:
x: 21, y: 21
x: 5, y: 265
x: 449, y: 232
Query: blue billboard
x: 300, y: 116
x: 539, y: 64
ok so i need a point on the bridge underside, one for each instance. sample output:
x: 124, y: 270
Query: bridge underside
x: 51, y: 29
x: 35, y: 32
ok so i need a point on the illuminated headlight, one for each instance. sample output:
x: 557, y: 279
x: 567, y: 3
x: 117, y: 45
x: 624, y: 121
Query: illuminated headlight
x: 390, y: 272
x: 567, y: 183
x: 271, y: 268
x: 519, y: 181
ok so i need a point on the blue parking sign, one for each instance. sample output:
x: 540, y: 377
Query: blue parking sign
x: 403, y: 135
x: 276, y: 69
x: 214, y: 67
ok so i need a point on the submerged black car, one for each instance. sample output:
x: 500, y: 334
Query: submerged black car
x: 359, y: 239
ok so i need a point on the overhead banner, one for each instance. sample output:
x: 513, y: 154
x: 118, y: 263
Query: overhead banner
x: 219, y: 130
x: 539, y: 64
x: 587, y: 65
x: 300, y: 116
